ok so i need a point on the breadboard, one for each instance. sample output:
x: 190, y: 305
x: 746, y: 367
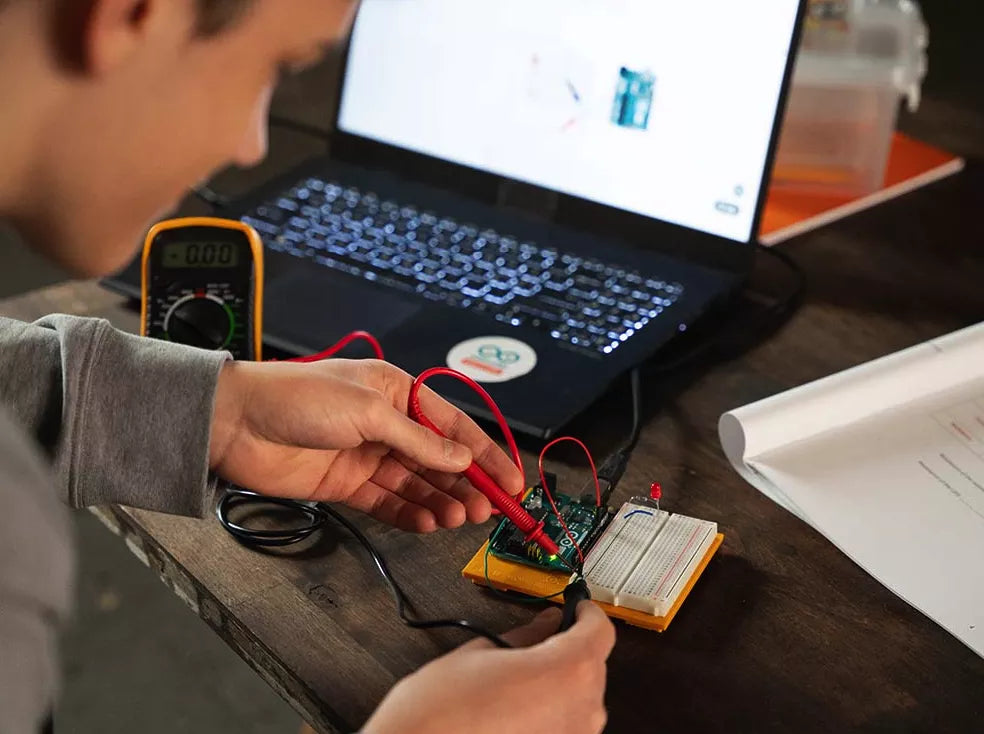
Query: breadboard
x: 666, y: 565
x: 614, y: 556
x: 509, y: 576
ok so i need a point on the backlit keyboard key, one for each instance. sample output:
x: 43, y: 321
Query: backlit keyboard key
x: 519, y: 283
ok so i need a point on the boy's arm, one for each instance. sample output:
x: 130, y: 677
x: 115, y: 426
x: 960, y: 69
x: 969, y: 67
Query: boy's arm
x: 124, y: 419
x: 35, y: 572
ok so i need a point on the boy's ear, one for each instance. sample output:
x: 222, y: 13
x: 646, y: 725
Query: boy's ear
x: 113, y: 32
x: 96, y: 36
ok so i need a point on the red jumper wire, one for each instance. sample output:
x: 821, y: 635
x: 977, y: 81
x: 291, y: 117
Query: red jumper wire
x: 550, y: 499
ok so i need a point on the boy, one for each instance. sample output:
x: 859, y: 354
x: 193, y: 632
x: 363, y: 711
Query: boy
x: 110, y: 110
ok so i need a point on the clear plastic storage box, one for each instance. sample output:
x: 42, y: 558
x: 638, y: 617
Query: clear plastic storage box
x: 857, y: 59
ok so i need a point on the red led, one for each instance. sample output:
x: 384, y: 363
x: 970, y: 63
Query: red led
x: 655, y: 491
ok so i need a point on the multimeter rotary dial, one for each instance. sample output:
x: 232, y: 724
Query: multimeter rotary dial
x: 202, y: 285
x: 200, y: 320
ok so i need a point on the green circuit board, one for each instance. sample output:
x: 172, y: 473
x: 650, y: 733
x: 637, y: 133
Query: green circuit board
x: 584, y: 519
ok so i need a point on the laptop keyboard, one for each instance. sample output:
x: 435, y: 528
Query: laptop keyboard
x: 583, y: 302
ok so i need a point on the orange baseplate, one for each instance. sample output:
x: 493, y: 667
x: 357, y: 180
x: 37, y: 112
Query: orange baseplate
x: 509, y: 576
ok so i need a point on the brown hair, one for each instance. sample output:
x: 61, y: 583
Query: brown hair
x: 214, y: 15
x: 68, y: 17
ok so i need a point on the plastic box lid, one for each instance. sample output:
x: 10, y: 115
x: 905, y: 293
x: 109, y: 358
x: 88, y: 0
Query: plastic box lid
x: 850, y: 43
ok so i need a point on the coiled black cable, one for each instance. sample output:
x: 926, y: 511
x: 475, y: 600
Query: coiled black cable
x: 314, y: 516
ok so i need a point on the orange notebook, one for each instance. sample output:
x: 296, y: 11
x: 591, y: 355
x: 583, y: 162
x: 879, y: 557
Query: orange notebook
x: 911, y: 164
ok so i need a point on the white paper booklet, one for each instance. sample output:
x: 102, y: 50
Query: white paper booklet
x: 887, y: 461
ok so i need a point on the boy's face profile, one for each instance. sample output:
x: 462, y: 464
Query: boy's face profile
x: 146, y: 107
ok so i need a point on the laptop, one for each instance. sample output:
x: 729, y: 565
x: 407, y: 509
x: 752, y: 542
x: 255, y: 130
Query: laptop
x: 539, y: 194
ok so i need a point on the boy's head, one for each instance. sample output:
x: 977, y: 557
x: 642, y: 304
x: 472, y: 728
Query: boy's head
x: 112, y: 109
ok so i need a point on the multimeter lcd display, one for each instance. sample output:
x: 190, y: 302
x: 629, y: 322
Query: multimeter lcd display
x: 200, y: 255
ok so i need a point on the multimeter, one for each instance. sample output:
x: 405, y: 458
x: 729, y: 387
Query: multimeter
x: 202, y: 285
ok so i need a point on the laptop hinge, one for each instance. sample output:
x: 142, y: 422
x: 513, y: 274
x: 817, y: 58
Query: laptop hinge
x: 528, y: 199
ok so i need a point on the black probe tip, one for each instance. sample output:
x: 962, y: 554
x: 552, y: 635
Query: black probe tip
x: 576, y: 592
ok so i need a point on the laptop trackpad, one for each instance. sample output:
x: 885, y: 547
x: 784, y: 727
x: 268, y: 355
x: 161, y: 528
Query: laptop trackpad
x: 315, y: 312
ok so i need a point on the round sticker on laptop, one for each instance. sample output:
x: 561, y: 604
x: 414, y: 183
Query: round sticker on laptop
x: 492, y: 358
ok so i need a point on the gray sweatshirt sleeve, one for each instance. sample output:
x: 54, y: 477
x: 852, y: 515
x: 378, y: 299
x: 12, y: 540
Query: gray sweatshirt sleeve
x: 124, y: 419
x: 35, y: 586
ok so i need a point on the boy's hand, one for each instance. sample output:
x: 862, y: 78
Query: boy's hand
x: 338, y: 431
x: 549, y: 684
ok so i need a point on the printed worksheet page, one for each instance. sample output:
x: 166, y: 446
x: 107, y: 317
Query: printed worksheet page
x: 899, y: 489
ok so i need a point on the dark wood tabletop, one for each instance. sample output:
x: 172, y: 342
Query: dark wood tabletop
x: 782, y: 633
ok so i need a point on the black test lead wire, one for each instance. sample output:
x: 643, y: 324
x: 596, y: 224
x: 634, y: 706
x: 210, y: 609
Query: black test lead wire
x: 316, y: 516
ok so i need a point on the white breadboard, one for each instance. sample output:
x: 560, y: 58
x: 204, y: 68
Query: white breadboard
x: 645, y: 558
x: 613, y: 557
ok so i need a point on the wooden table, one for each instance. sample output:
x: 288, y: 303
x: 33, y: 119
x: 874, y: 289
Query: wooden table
x: 782, y: 633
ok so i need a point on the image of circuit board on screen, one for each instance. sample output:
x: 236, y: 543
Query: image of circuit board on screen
x: 583, y: 518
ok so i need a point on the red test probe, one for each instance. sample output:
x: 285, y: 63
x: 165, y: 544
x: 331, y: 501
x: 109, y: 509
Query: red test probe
x: 480, y: 480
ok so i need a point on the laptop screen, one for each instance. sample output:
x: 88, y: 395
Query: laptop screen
x: 659, y: 108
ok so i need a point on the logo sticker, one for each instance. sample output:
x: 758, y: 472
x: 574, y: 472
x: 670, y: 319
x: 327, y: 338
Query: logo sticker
x: 492, y: 358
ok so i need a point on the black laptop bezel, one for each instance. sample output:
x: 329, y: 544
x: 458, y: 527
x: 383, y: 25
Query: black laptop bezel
x: 674, y: 240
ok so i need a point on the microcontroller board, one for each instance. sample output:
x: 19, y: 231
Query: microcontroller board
x: 583, y: 518
x: 640, y: 562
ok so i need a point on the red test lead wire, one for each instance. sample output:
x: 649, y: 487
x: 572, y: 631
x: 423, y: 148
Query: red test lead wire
x: 506, y: 504
x: 340, y: 345
x: 501, y: 501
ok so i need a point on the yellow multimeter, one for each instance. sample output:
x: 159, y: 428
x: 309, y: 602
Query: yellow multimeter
x: 202, y: 285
